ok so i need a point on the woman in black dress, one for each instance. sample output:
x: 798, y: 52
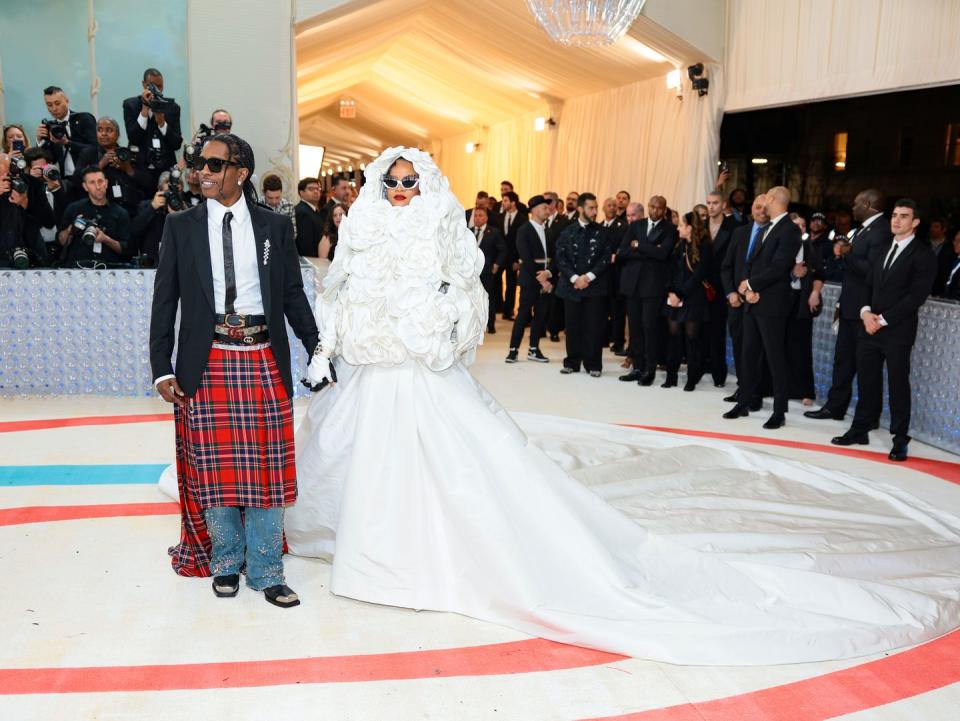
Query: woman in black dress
x: 687, y: 299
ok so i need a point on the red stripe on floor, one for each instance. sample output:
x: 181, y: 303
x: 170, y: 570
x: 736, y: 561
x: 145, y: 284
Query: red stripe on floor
x: 946, y: 470
x: 45, y: 514
x: 502, y: 658
x: 40, y: 424
x: 909, y: 673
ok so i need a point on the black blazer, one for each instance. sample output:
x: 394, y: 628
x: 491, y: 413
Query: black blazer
x: 952, y: 285
x: 511, y: 235
x: 83, y: 133
x: 134, y: 188
x: 309, y: 229
x: 733, y: 270
x: 644, y: 270
x: 768, y: 269
x: 185, y: 275
x: 493, y: 247
x: 868, y: 243
x: 579, y: 251
x: 945, y: 260
x: 531, y: 255
x: 898, y: 293
x: 720, y: 245
x: 143, y: 139
x: 813, y: 258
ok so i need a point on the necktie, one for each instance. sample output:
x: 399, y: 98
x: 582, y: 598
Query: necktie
x: 476, y: 232
x: 757, y: 229
x: 229, y: 278
x: 890, y: 256
x: 956, y: 267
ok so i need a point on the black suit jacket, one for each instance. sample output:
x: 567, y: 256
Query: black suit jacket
x: 185, y: 275
x: 721, y: 244
x: 952, y: 285
x: 868, y: 243
x: 310, y: 224
x: 169, y: 143
x: 945, y: 260
x: 898, y: 293
x: 579, y: 251
x: 531, y: 254
x: 645, y: 269
x: 493, y: 247
x: 511, y: 235
x: 733, y: 270
x: 768, y: 269
x: 134, y: 188
x: 83, y: 134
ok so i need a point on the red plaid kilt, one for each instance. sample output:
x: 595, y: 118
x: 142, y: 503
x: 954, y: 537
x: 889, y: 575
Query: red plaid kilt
x: 234, y: 447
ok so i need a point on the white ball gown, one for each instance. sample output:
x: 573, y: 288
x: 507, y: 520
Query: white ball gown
x: 427, y: 495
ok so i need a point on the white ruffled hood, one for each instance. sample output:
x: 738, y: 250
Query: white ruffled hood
x: 382, y: 301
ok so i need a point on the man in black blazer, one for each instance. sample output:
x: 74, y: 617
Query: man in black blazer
x: 81, y: 131
x: 481, y: 202
x: 156, y: 133
x: 733, y: 272
x: 614, y: 225
x: 494, y: 249
x: 510, y: 219
x: 644, y: 260
x: 554, y: 225
x: 232, y: 268
x: 721, y: 229
x: 767, y: 292
x: 534, y: 259
x: 309, y: 218
x: 857, y: 256
x: 951, y: 286
x: 897, y: 284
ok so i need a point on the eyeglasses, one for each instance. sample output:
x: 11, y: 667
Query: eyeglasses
x: 215, y: 164
x: 408, y: 183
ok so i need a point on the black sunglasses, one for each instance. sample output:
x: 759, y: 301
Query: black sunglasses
x: 215, y: 164
x: 408, y: 183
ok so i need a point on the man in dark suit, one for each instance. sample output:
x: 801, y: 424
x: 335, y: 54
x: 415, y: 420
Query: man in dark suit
x: 767, y: 292
x: 951, y: 286
x: 733, y: 272
x: 614, y: 225
x: 857, y: 255
x: 721, y: 229
x: 153, y: 126
x: 510, y: 220
x: 644, y: 259
x: 481, y: 202
x: 232, y: 268
x: 897, y: 284
x: 534, y: 258
x: 583, y: 259
x: 494, y: 249
x: 80, y: 132
x: 943, y: 249
x: 623, y: 200
x: 554, y: 225
x: 309, y: 218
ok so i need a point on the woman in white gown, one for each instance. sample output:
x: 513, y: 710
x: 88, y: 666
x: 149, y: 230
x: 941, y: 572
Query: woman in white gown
x: 427, y: 495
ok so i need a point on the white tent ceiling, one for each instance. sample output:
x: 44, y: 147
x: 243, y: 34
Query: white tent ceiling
x: 422, y: 70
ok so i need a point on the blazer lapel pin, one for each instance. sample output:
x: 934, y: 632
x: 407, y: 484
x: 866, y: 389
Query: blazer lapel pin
x: 266, y: 251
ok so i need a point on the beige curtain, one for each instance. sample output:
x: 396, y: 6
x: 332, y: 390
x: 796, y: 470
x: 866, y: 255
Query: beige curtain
x: 638, y: 138
x: 792, y: 51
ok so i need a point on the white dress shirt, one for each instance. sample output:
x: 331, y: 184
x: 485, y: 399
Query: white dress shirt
x: 249, y: 300
x: 888, y: 260
x: 478, y: 232
x: 542, y: 234
x: 142, y: 122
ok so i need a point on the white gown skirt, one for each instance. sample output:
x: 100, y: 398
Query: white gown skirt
x: 427, y: 495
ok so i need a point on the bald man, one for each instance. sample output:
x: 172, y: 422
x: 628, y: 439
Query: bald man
x: 766, y: 289
x: 856, y: 257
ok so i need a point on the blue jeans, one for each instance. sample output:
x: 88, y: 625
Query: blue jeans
x: 259, y: 538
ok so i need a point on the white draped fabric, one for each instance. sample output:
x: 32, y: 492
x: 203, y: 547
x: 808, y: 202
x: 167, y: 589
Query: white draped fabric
x: 793, y: 51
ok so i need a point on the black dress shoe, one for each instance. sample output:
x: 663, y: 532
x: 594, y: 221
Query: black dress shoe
x: 670, y: 382
x: 823, y: 413
x: 281, y: 595
x: 733, y: 398
x: 508, y: 317
x: 690, y: 385
x: 647, y: 379
x: 851, y: 439
x: 631, y: 377
x: 775, y: 421
x: 898, y: 452
x: 719, y: 384
x: 226, y: 586
x: 491, y: 330
x: 738, y: 411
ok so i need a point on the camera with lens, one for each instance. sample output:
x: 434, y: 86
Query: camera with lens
x: 56, y: 128
x: 21, y: 259
x: 86, y: 229
x: 124, y: 155
x: 191, y: 152
x: 18, y: 175
x: 159, y: 103
x: 51, y: 173
x: 174, y: 193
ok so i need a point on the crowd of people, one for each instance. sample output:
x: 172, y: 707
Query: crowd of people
x: 659, y: 287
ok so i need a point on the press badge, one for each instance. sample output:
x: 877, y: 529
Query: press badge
x: 98, y: 247
x: 117, y: 191
x: 156, y: 143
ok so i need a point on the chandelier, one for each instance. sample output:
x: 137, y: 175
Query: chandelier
x: 585, y: 23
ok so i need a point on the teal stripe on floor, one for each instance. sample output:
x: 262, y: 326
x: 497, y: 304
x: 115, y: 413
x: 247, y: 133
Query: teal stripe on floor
x: 139, y: 474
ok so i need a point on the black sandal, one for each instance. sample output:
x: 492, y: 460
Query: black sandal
x: 282, y: 596
x: 226, y: 586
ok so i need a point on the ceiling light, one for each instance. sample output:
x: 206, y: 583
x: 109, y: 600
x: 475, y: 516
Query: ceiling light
x: 840, y: 165
x: 673, y: 79
x: 339, y: 168
x: 585, y: 24
x: 758, y: 161
x: 471, y: 147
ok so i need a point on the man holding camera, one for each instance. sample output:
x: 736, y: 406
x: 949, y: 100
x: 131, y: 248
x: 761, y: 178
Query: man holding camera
x: 23, y: 211
x: 147, y: 226
x: 128, y: 185
x: 94, y: 231
x: 40, y: 165
x: 153, y: 125
x: 66, y: 133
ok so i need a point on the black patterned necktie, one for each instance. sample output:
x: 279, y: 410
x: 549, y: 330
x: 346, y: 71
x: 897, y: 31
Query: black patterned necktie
x: 229, y: 277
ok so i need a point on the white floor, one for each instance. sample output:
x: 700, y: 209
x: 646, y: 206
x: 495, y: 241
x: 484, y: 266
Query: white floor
x: 99, y: 592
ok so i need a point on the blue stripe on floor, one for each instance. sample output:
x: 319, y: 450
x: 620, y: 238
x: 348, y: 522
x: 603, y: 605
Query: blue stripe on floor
x: 141, y: 474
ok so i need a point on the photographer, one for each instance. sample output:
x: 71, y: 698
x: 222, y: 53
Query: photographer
x: 66, y: 133
x: 23, y: 211
x: 14, y: 139
x: 128, y: 185
x: 40, y: 165
x: 221, y: 121
x: 147, y: 226
x: 153, y: 125
x: 94, y: 231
